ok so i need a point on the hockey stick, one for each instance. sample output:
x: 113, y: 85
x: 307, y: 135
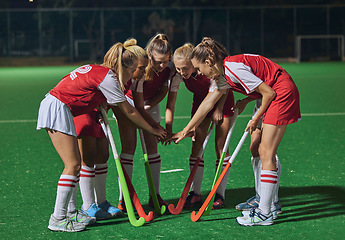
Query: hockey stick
x: 133, y: 194
x: 195, y: 217
x: 128, y: 202
x: 177, y: 210
x: 135, y: 199
x: 158, y: 209
x: 221, y: 160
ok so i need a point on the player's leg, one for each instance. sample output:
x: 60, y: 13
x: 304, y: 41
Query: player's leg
x: 154, y: 159
x: 194, y: 197
x: 128, y: 136
x: 89, y: 154
x: 220, y: 138
x: 270, y: 140
x: 101, y: 172
x: 67, y: 148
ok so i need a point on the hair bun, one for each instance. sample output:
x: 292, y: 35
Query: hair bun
x: 130, y: 42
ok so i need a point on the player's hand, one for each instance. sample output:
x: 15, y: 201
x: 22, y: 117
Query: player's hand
x: 177, y: 137
x: 217, y: 117
x: 251, y: 126
x: 160, y: 133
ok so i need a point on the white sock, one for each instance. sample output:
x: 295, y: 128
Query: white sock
x: 256, y: 162
x: 127, y: 162
x: 86, y: 183
x: 65, y: 188
x: 101, y: 171
x: 222, y: 186
x: 155, y: 166
x: 72, y: 205
x: 196, y: 184
x: 279, y: 171
x: 268, y: 183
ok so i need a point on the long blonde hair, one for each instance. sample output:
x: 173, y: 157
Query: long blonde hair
x: 159, y: 43
x: 184, y: 52
x: 209, y: 49
x: 117, y: 58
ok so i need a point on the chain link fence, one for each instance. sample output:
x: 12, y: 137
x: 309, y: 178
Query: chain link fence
x: 64, y: 36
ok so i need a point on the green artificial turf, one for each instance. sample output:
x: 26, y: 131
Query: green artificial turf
x: 312, y: 189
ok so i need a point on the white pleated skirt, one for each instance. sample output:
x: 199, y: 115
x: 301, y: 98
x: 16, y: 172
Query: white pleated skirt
x: 54, y: 114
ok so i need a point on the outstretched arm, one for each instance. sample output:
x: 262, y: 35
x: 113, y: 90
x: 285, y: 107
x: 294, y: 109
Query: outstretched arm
x: 206, y: 106
x: 133, y: 114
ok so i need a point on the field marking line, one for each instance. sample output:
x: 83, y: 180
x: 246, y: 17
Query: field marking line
x: 188, y: 117
x: 172, y: 170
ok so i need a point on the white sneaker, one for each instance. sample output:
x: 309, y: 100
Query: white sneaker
x: 255, y: 218
x: 80, y: 217
x: 65, y: 225
x: 275, y: 209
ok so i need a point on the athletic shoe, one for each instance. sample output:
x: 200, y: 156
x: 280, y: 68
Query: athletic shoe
x: 95, y: 211
x: 80, y: 217
x: 160, y: 201
x: 276, y: 209
x: 106, y: 206
x: 255, y: 218
x: 64, y: 225
x: 121, y: 205
x: 193, y: 200
x: 218, y: 202
x: 252, y: 202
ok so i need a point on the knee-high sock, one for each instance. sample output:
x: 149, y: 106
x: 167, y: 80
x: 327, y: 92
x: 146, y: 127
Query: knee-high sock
x: 256, y: 162
x: 268, y: 183
x: 87, y: 187
x: 276, y: 189
x: 72, y: 204
x: 155, y: 166
x: 100, y: 182
x: 222, y: 186
x: 127, y: 162
x: 196, y: 184
x: 65, y: 188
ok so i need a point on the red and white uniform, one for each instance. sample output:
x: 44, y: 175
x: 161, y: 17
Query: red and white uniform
x: 245, y: 72
x: 87, y: 124
x: 87, y: 87
x: 78, y: 93
x: 200, y: 86
x: 150, y: 90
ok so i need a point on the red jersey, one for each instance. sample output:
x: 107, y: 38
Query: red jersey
x: 150, y: 89
x: 245, y: 72
x: 81, y: 92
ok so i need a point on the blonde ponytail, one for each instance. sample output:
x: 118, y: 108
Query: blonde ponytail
x: 118, y: 58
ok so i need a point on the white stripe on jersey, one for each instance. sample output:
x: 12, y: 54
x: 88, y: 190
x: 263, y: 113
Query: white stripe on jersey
x: 111, y: 89
x: 241, y: 73
x: 175, y: 82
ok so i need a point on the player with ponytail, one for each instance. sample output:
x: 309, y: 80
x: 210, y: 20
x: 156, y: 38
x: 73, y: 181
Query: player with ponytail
x: 78, y: 93
x: 257, y: 77
x: 200, y: 86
